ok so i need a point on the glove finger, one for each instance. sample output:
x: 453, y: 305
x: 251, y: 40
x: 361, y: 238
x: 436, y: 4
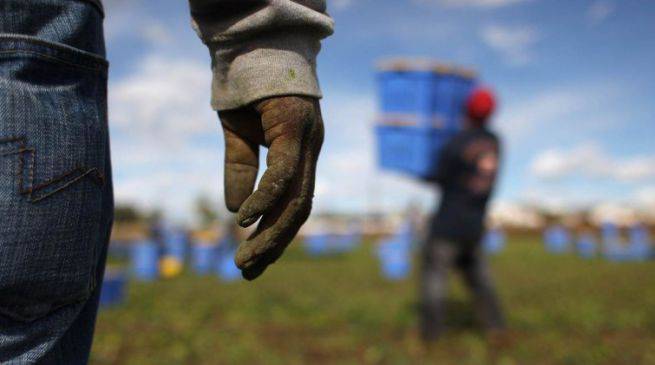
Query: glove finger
x: 241, y: 166
x: 279, y: 227
x: 285, y: 134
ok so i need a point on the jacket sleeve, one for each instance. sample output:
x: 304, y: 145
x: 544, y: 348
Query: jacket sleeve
x: 261, y: 48
x: 445, y: 164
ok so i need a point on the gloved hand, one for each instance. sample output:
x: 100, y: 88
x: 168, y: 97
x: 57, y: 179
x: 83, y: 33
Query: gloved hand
x: 292, y: 129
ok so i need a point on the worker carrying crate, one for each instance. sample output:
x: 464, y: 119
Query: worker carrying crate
x: 421, y: 107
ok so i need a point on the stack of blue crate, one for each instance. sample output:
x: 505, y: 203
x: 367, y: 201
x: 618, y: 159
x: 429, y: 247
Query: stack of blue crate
x: 421, y: 107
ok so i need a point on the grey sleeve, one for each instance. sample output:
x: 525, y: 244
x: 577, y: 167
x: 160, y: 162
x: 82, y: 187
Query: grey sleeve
x: 261, y: 48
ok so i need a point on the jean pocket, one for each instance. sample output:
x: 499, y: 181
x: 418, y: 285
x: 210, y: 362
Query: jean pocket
x: 53, y: 161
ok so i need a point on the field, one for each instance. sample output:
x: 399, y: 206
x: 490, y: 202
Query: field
x: 338, y: 310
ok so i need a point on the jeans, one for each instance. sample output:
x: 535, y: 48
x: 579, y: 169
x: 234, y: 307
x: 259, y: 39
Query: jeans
x: 56, y: 201
x: 438, y: 257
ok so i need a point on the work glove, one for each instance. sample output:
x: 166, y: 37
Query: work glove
x: 291, y: 127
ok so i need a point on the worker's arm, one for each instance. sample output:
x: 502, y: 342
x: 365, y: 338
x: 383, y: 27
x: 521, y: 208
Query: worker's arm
x: 265, y: 89
x: 261, y: 48
x: 445, y: 162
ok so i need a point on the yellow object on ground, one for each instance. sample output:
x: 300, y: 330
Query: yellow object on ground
x: 170, y: 267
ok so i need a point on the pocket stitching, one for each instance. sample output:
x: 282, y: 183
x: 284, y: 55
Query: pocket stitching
x: 31, y: 191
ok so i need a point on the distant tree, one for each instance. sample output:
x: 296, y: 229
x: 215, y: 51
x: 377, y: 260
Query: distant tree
x: 127, y: 214
x: 206, y: 211
x: 155, y: 216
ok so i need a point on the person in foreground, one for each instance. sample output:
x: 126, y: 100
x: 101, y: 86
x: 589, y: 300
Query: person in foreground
x: 466, y: 173
x: 56, y: 200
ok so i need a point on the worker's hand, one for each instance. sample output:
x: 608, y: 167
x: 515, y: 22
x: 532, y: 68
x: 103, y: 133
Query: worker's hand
x: 292, y: 129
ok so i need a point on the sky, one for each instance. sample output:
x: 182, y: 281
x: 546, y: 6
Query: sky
x: 574, y: 81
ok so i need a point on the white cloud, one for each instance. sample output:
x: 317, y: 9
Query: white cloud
x: 514, y: 43
x: 571, y: 107
x: 645, y: 196
x: 127, y: 18
x: 599, y: 11
x: 156, y: 33
x: 482, y: 4
x: 166, y: 143
x: 589, y: 160
x: 164, y: 100
x: 122, y: 17
x: 341, y: 4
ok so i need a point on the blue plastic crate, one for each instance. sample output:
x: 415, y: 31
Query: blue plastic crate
x: 557, y: 239
x: 395, y: 253
x: 410, y: 150
x: 113, y: 288
x: 323, y: 244
x: 424, y: 97
x: 586, y: 246
x: 317, y: 244
x: 421, y: 108
x: 494, y: 241
x: 449, y: 99
x: 176, y: 244
x: 204, y: 257
x: 145, y: 260
x: 395, y: 258
x: 408, y: 95
x: 610, y: 233
x: 226, y: 268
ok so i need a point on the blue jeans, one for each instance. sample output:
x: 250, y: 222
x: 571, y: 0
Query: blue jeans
x: 56, y: 201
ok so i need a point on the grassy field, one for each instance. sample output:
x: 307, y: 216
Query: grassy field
x: 338, y: 310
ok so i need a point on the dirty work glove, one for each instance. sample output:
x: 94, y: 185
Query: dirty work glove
x: 292, y: 129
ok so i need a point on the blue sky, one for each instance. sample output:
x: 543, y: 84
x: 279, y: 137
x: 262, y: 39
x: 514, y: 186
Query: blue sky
x: 574, y: 80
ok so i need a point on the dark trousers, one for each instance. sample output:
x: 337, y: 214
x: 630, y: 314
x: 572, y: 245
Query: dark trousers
x: 439, y: 257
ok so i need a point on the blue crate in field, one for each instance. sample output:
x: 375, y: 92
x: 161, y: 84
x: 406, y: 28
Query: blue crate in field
x: 494, y: 241
x: 322, y: 244
x: 557, y: 239
x: 421, y: 107
x: 113, y: 288
x: 204, y: 257
x: 640, y: 235
x: 395, y: 258
x: 145, y: 260
x: 610, y: 233
x: 226, y: 269
x: 586, y: 246
x: 175, y: 244
x: 395, y: 253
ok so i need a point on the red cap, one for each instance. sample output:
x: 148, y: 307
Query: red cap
x: 481, y: 104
